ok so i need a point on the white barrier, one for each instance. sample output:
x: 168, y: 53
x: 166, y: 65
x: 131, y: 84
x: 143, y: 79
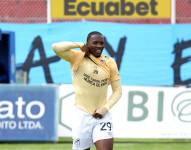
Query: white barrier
x: 142, y: 112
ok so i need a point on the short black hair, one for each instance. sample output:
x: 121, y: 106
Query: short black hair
x: 93, y: 33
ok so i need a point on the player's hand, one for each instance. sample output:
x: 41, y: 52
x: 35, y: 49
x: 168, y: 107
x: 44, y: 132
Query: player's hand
x: 85, y: 49
x: 99, y: 113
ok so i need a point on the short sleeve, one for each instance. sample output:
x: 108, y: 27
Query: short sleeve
x: 114, y: 72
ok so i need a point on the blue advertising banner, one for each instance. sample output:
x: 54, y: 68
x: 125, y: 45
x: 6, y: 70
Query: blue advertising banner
x: 28, y: 113
x: 148, y: 55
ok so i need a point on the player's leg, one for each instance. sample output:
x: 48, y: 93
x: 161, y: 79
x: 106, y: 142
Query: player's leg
x: 105, y: 144
x: 103, y: 133
x: 81, y: 130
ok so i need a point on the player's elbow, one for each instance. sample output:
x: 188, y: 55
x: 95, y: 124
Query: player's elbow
x: 117, y: 89
x: 54, y: 47
x: 120, y: 92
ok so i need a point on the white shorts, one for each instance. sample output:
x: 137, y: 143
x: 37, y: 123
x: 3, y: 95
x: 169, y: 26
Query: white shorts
x: 87, y: 130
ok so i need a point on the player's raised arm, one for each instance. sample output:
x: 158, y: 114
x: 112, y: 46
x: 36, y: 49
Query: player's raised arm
x: 66, y: 49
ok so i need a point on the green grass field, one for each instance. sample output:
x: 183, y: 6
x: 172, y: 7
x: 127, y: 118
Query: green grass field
x: 120, y: 144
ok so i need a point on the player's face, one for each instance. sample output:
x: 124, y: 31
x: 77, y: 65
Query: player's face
x: 96, y: 45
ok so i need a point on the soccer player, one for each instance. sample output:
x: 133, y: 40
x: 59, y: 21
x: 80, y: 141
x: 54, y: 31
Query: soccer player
x: 92, y: 74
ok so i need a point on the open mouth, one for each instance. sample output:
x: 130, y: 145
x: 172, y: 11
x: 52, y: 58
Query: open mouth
x: 98, y: 51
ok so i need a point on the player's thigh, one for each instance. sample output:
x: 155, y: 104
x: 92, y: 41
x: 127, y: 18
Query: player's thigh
x: 104, y: 144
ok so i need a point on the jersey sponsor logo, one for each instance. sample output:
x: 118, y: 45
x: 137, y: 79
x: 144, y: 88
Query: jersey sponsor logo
x: 94, y: 82
x: 95, y: 71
